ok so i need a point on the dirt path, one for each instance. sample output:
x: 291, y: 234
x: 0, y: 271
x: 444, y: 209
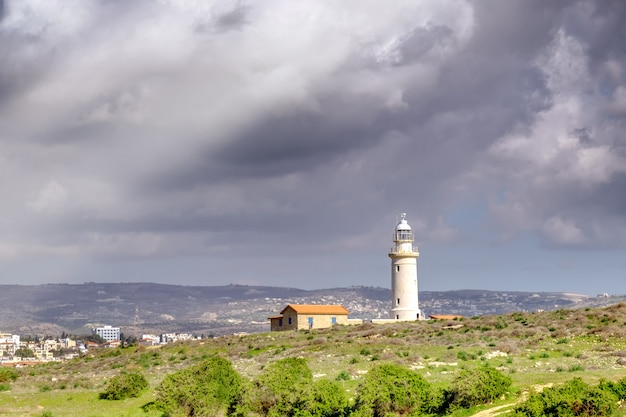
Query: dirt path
x: 491, y: 411
x: 495, y: 411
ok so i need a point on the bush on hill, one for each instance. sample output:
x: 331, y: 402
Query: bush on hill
x: 8, y: 375
x: 328, y: 400
x: 286, y: 388
x: 618, y: 388
x: 209, y: 388
x: 391, y: 390
x: 475, y: 386
x: 126, y: 385
x: 573, y: 398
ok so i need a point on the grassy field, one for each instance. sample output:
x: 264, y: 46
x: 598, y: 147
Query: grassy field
x: 534, y: 349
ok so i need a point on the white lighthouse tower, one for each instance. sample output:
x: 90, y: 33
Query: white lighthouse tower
x: 404, y: 303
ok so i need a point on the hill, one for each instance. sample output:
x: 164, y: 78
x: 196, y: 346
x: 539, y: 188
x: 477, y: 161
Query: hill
x: 533, y: 349
x: 155, y: 308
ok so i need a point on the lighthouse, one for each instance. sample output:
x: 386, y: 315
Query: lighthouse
x: 404, y: 302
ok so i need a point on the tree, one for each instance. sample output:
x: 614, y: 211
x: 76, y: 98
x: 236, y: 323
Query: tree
x: 94, y: 337
x: 127, y: 341
x: 391, y: 390
x: 24, y: 353
x: 209, y: 388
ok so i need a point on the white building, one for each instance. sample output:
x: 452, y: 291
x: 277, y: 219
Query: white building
x: 404, y: 292
x: 108, y: 333
x: 9, y: 343
x: 175, y: 337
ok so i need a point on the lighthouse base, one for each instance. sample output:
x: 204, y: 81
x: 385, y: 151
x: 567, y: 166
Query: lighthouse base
x: 406, y: 314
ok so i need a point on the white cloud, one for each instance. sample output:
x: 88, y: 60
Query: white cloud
x: 554, y: 164
x: 51, y: 199
x: 562, y: 231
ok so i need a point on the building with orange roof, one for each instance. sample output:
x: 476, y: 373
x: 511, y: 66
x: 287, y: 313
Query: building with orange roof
x: 309, y: 316
x: 444, y: 317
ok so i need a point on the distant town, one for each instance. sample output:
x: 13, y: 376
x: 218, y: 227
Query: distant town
x: 15, y: 351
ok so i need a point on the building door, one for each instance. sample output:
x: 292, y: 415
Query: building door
x: 310, y: 322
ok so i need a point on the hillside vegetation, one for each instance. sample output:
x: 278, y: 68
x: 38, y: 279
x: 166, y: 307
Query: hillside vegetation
x: 356, y: 370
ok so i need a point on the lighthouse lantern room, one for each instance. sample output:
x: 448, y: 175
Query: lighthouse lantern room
x: 404, y: 292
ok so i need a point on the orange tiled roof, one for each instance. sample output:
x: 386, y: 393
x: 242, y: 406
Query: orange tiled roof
x: 444, y: 317
x: 316, y: 309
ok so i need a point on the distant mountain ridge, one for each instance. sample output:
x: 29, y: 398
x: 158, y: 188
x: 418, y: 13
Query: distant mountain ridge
x: 153, y: 308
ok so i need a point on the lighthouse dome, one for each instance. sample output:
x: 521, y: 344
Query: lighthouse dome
x: 403, y: 225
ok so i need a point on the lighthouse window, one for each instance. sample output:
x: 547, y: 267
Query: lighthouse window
x: 398, y: 301
x: 398, y: 268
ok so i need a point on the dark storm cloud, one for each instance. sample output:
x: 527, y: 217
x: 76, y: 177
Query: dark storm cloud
x: 279, y: 146
x: 421, y: 41
x: 518, y: 28
x: 20, y: 68
x: 233, y: 19
x: 602, y: 30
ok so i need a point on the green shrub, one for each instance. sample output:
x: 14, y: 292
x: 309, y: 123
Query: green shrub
x: 328, y: 400
x: 475, y: 386
x: 462, y: 355
x: 8, y: 375
x: 618, y: 388
x: 281, y: 389
x: 4, y: 387
x: 343, y: 376
x: 125, y: 385
x: 390, y: 390
x: 286, y: 388
x: 573, y: 398
x: 211, y: 387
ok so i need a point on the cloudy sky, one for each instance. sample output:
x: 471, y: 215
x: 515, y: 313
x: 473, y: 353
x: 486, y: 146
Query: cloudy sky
x: 274, y: 143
